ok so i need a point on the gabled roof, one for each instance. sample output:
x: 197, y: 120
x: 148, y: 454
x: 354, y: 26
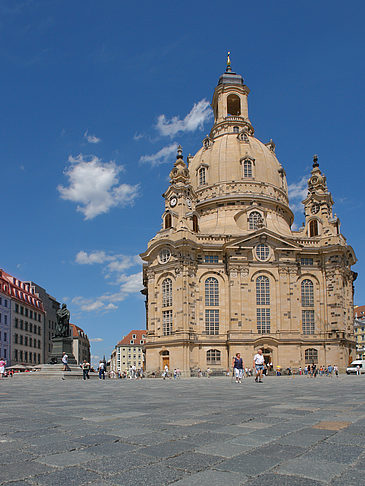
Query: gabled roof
x: 281, y: 241
x: 359, y: 311
x: 77, y: 331
x: 135, y: 341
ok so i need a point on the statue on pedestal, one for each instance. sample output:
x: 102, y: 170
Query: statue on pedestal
x: 63, y: 322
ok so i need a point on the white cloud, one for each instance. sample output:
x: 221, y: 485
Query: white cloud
x: 93, y: 184
x: 297, y: 192
x: 163, y: 156
x: 129, y: 284
x: 114, y: 263
x: 198, y: 115
x: 138, y: 136
x: 96, y: 340
x: 91, y: 138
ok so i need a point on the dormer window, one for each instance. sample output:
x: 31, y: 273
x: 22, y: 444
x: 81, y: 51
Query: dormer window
x: 254, y: 220
x: 247, y: 168
x: 134, y: 336
x: 132, y: 342
x: 202, y: 176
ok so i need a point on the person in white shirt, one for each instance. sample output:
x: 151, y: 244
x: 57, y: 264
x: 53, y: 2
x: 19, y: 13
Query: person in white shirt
x: 259, y: 364
x: 65, y: 362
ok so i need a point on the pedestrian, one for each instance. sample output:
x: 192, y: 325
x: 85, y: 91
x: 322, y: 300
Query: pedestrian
x: 258, y: 364
x: 166, y: 372
x: 237, y: 364
x: 85, y: 370
x: 64, y: 360
x: 335, y: 369
x: 101, y: 370
x: 2, y: 367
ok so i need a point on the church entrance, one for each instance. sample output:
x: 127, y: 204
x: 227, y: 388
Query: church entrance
x: 267, y: 353
x: 165, y: 359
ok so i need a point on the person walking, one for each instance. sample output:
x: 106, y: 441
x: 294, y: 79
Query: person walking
x: 258, y: 364
x: 101, y: 370
x: 85, y: 370
x: 2, y: 367
x: 64, y: 360
x: 237, y: 364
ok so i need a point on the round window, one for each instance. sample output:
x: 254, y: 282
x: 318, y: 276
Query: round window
x: 164, y: 255
x: 262, y: 252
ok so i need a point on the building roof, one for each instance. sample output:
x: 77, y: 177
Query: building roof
x: 129, y: 339
x: 77, y: 331
x: 359, y: 311
x: 20, y: 291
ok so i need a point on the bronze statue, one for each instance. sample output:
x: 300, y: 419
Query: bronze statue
x: 63, y: 322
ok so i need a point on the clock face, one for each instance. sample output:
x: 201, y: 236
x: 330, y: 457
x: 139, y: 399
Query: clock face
x: 315, y: 208
x: 188, y: 202
x: 173, y: 201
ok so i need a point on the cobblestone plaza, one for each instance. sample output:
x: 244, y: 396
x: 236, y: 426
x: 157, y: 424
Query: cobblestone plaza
x: 289, y: 431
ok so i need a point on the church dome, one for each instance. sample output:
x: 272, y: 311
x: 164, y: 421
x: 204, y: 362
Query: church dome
x: 224, y: 161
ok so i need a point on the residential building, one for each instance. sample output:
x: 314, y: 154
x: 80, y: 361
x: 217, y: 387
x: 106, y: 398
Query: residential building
x: 51, y: 306
x: 5, y: 327
x: 80, y: 344
x: 359, y: 331
x: 129, y: 352
x: 229, y: 273
x: 27, y: 320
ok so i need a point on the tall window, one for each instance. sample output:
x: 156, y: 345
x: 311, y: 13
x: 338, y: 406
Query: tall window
x: 313, y: 228
x: 262, y: 290
x: 213, y: 356
x: 308, y: 321
x: 167, y: 292
x: 307, y: 293
x: 263, y: 303
x: 195, y: 224
x: 311, y: 356
x: 168, y: 221
x: 167, y: 322
x: 202, y: 178
x: 233, y: 105
x: 247, y: 168
x: 212, y: 321
x: 253, y: 220
x: 211, y: 292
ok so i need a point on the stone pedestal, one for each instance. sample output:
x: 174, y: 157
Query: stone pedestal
x: 60, y: 345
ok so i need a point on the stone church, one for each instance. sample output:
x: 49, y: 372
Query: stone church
x: 227, y: 274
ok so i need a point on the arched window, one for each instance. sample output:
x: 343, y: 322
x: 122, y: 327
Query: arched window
x: 195, y: 224
x: 307, y: 293
x: 313, y: 228
x: 168, y: 221
x: 167, y: 322
x: 253, y: 220
x: 236, y: 129
x: 202, y: 178
x: 167, y: 292
x: 311, y: 356
x: 233, y: 105
x: 262, y: 290
x: 247, y: 168
x: 263, y: 301
x: 211, y: 292
x: 213, y: 356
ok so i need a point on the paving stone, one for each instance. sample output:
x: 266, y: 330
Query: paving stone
x: 112, y: 449
x: 282, y: 480
x: 168, y: 449
x: 211, y: 477
x: 311, y: 468
x: 192, y: 461
x: 335, y: 453
x: 249, y: 464
x: 23, y: 470
x: 154, y: 475
x: 224, y: 449
x: 96, y: 439
x: 72, y: 476
x: 113, y: 465
x: 305, y: 437
x: 66, y: 459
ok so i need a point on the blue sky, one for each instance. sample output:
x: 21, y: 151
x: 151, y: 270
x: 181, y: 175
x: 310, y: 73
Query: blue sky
x: 95, y: 96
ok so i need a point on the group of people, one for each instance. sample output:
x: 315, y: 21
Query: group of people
x: 258, y: 367
x: 176, y: 374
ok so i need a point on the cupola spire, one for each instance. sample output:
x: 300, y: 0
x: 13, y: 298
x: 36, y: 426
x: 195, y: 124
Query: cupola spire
x: 228, y: 68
